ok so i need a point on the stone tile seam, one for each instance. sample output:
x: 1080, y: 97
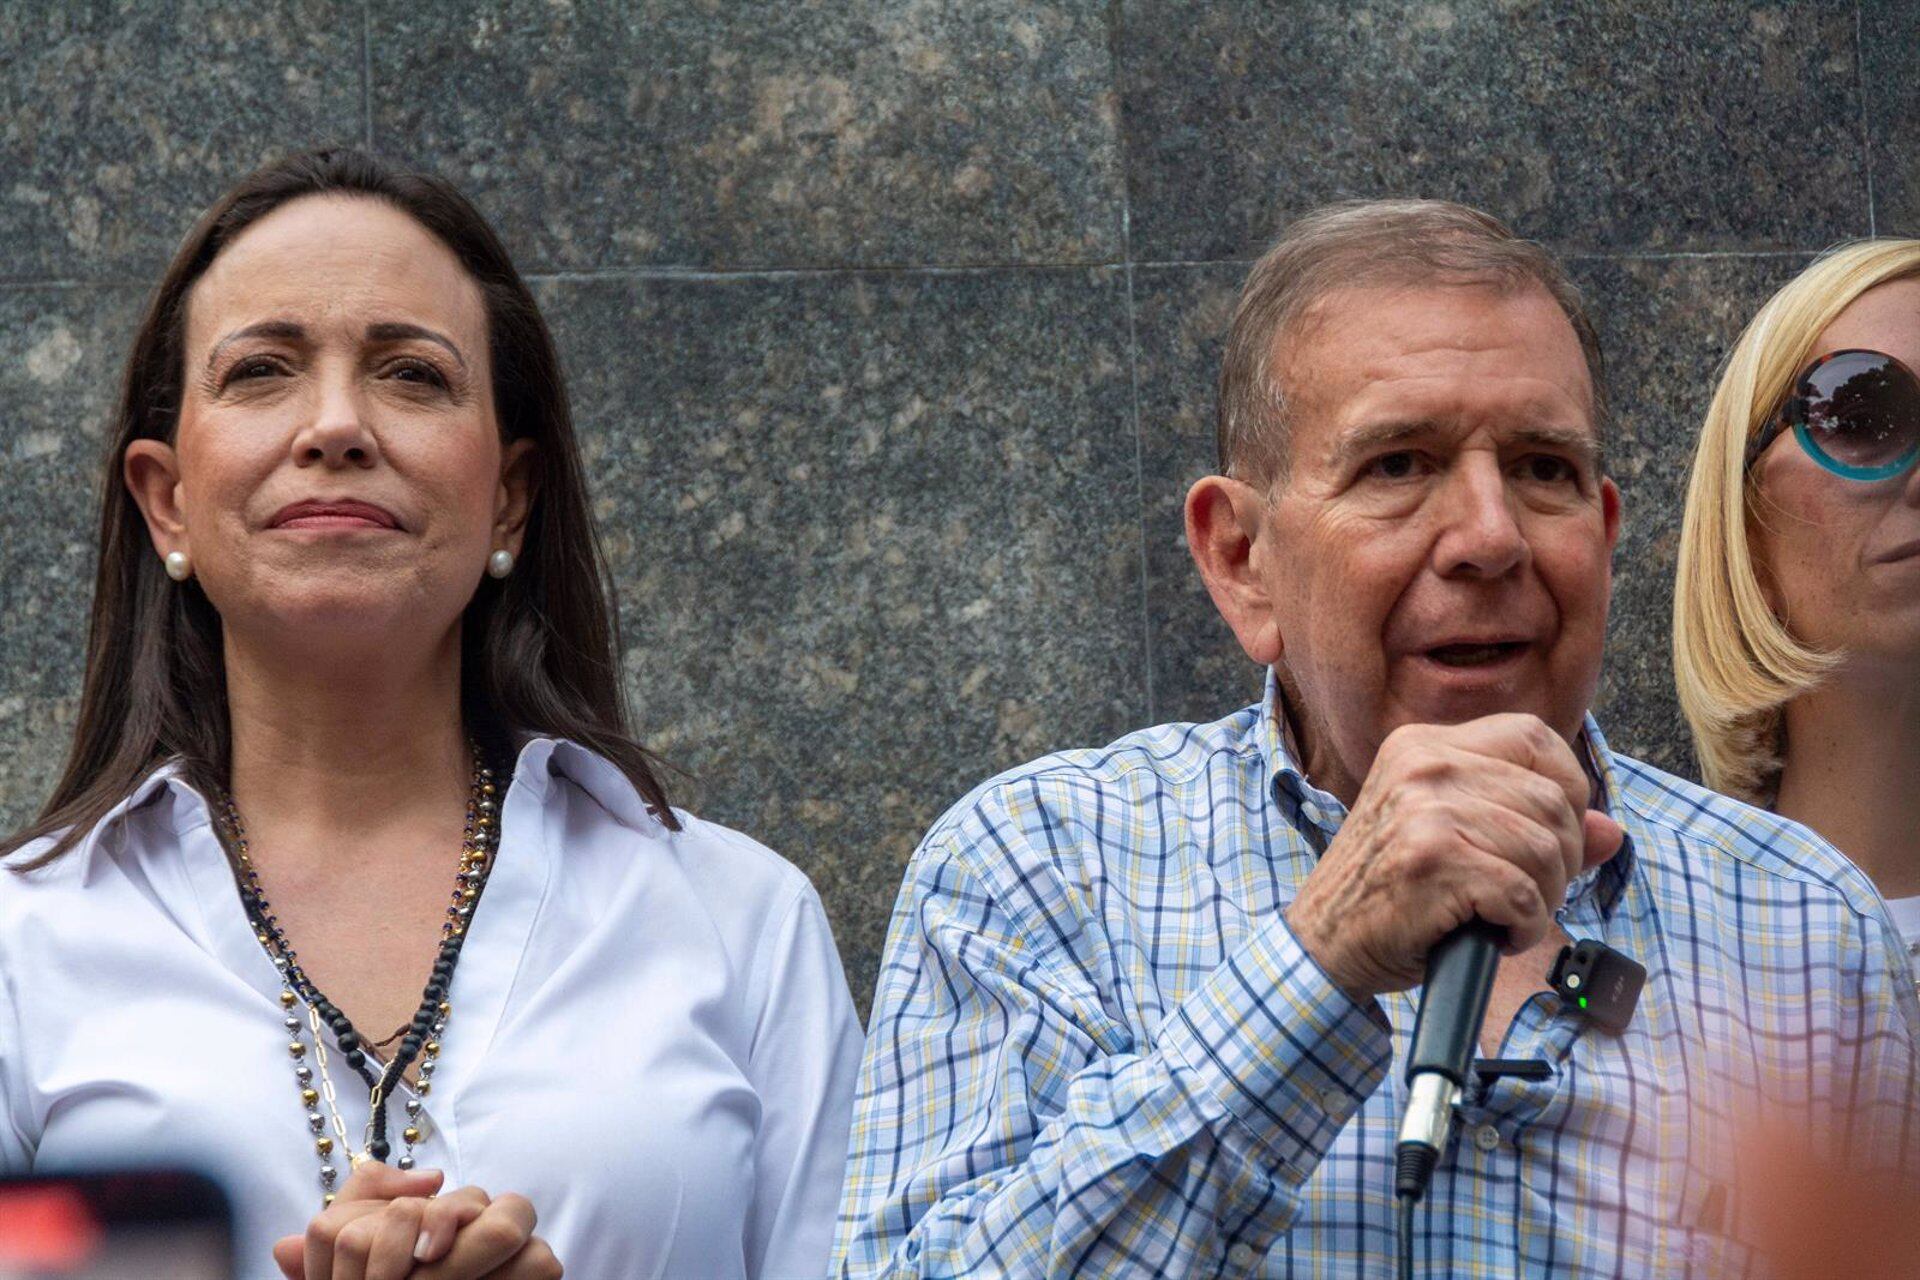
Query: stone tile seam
x: 1096, y: 264
x: 1089, y: 264
x: 705, y: 275
x: 24, y: 283
x: 1115, y: 38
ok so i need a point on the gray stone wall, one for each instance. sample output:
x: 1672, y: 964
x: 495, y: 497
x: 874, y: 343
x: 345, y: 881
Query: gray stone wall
x: 892, y: 324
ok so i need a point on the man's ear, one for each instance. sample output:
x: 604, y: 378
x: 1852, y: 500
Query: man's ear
x: 513, y: 499
x: 151, y: 471
x: 1227, y: 534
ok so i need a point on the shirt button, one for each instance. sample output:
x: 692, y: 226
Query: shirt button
x: 1486, y: 1137
x: 1333, y: 1100
x: 1241, y: 1255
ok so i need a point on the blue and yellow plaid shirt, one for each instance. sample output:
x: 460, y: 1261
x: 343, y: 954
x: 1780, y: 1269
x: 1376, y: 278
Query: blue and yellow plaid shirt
x: 1096, y: 1049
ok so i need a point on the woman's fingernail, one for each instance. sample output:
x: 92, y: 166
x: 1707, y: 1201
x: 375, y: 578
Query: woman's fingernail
x: 423, y: 1246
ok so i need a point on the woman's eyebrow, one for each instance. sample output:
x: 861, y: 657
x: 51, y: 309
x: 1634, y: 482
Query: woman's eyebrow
x: 396, y: 331
x: 287, y: 330
x: 292, y: 331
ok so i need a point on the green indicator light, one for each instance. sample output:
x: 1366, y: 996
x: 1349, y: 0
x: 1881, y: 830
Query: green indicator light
x: 1583, y: 1002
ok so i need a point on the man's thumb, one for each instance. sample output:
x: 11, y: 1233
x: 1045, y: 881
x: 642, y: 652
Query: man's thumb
x: 1603, y: 837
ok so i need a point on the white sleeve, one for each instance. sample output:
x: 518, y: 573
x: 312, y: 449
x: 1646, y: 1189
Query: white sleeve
x: 806, y: 1054
x: 16, y: 1153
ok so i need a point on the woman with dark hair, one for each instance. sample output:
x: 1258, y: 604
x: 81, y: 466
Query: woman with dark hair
x: 355, y: 858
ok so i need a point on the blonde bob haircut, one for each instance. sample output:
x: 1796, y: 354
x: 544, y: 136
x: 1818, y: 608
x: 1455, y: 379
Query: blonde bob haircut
x: 1734, y: 661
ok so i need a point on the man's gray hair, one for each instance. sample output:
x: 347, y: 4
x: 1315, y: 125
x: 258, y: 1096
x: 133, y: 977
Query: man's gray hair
x: 1362, y: 243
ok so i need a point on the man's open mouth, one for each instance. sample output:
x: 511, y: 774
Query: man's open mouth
x: 1476, y: 655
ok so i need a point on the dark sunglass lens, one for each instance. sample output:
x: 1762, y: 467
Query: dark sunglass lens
x: 1863, y: 410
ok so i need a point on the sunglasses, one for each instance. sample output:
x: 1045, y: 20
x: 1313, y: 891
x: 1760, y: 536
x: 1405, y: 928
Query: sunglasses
x: 1855, y: 412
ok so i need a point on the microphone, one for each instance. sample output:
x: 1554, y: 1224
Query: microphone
x: 1453, y: 1004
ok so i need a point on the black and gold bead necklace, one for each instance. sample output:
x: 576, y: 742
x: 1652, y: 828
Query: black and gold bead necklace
x: 419, y: 1039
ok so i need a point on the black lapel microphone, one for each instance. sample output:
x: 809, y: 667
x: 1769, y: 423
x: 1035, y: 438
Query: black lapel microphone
x: 1453, y: 1004
x: 1599, y: 982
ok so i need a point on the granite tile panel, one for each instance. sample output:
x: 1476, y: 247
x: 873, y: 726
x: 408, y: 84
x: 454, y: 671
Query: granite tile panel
x: 875, y: 536
x: 764, y: 132
x: 1665, y: 323
x: 1890, y: 79
x: 60, y: 355
x: 1594, y: 124
x: 1182, y: 313
x: 120, y: 121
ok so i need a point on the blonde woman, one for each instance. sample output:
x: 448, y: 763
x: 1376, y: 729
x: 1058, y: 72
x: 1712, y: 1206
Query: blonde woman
x: 1797, y: 608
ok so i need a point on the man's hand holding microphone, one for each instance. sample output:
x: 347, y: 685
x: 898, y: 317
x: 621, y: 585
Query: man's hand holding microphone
x: 1486, y: 819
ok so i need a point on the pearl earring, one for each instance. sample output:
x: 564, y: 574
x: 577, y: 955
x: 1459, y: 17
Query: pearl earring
x: 179, y: 568
x: 500, y: 563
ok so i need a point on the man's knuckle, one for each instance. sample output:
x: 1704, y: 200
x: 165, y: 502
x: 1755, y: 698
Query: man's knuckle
x: 1543, y: 847
x: 1431, y: 768
x: 1543, y: 794
x: 1524, y: 896
x: 1424, y: 855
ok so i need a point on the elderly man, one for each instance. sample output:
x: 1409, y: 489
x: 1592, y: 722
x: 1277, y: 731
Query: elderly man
x: 1144, y: 1008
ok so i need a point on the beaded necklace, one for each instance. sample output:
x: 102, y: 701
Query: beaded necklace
x: 419, y: 1039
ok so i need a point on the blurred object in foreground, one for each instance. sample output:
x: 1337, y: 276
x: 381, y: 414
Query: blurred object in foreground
x: 1817, y: 1219
x: 150, y: 1225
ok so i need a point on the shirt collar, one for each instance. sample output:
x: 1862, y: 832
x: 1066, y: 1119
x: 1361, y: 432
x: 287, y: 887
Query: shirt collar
x: 539, y: 761
x: 1289, y: 787
x: 1609, y: 880
x: 542, y: 759
x: 1287, y: 781
x: 166, y: 784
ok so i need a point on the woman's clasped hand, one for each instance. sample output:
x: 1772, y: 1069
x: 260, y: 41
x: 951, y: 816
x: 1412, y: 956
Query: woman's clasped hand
x: 385, y: 1224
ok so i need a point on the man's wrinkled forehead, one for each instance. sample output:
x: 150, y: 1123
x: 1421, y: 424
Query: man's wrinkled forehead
x: 1402, y: 359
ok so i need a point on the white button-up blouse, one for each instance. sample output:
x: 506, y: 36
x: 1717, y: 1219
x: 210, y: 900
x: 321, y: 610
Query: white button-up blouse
x: 650, y: 1037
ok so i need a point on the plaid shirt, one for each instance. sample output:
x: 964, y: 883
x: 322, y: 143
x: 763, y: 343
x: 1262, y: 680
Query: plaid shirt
x: 1096, y: 1048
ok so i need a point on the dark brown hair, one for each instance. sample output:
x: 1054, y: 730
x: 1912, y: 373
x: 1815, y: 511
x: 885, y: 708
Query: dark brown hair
x: 1357, y: 243
x: 539, y: 648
